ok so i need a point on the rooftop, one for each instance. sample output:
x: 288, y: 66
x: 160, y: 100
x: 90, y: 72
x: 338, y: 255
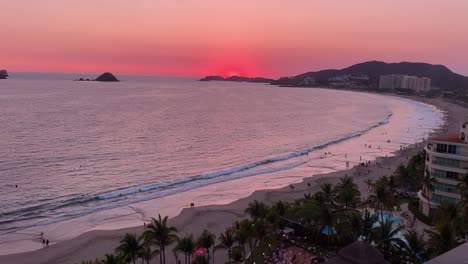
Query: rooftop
x: 451, y: 137
x: 457, y: 255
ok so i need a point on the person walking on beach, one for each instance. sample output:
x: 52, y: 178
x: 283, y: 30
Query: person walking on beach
x: 47, y: 242
x: 43, y: 242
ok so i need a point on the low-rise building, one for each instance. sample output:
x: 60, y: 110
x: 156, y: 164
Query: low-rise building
x: 447, y: 162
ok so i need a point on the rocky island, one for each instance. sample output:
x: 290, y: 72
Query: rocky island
x: 3, y: 74
x: 105, y: 77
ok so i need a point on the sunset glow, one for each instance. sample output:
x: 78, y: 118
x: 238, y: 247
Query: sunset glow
x: 269, y: 38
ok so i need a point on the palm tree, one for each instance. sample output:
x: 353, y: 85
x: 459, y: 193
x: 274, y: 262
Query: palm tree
x: 386, y: 237
x: 447, y: 213
x: 129, y: 248
x: 402, y: 176
x: 186, y: 245
x: 356, y: 223
x: 236, y: 255
x: 241, y: 235
x: 382, y: 195
x: 256, y: 210
x: 327, y: 194
x: 206, y: 240
x: 327, y: 220
x: 415, y: 247
x: 159, y: 234
x: 245, y: 233
x: 226, y: 241
x: 348, y: 193
x: 280, y: 208
x: 369, y: 183
x: 146, y: 253
x: 368, y: 222
x: 346, y: 181
x: 111, y: 259
x: 443, y: 240
x: 462, y: 188
x: 427, y: 185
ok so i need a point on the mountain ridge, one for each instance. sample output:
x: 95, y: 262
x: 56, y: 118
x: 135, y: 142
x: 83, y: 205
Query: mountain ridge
x: 364, y: 75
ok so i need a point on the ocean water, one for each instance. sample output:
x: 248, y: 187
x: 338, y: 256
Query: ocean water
x: 81, y: 153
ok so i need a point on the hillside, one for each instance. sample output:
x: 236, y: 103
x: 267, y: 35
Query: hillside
x: 237, y: 79
x: 440, y: 75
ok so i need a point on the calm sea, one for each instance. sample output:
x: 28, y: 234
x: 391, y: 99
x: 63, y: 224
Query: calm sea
x: 78, y: 148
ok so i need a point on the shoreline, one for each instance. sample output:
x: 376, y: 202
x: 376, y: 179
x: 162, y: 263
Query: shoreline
x: 97, y: 243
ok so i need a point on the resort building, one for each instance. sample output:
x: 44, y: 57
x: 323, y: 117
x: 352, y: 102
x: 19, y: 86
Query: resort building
x: 400, y: 81
x: 447, y: 162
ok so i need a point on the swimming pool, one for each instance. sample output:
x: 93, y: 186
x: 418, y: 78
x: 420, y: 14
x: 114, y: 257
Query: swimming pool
x: 396, y: 220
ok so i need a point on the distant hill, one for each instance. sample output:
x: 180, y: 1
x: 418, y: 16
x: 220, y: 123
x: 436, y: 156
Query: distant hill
x: 3, y: 74
x: 440, y: 75
x: 237, y: 79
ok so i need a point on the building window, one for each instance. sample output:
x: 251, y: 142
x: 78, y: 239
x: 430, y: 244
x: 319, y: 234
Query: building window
x: 453, y: 163
x: 452, y: 175
x: 442, y: 148
x: 452, y: 149
x: 445, y: 187
x: 447, y: 162
x: 439, y: 198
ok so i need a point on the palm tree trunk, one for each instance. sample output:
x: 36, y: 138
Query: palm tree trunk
x: 229, y: 255
x: 164, y: 256
x: 213, y: 255
x: 381, y: 212
x: 160, y: 255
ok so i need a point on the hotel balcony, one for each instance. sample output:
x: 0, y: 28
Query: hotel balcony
x: 452, y: 193
x: 433, y: 151
x: 433, y: 165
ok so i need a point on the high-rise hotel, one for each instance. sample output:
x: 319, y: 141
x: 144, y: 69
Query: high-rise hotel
x: 401, y: 81
x: 447, y: 162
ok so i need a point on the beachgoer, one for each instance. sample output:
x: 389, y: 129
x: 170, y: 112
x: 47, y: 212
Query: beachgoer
x: 42, y: 234
x: 43, y: 242
x: 47, y: 242
x: 308, y: 184
x: 192, y: 205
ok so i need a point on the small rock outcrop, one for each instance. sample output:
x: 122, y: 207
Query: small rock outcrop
x: 107, y: 77
x: 3, y: 74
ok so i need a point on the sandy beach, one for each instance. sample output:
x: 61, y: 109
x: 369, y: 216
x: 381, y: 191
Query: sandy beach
x: 216, y: 218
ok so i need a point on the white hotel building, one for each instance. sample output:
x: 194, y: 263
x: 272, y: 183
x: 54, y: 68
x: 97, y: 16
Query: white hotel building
x: 401, y: 81
x: 447, y: 161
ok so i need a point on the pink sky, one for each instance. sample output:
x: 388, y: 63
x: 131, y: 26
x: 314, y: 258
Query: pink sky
x: 269, y: 38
